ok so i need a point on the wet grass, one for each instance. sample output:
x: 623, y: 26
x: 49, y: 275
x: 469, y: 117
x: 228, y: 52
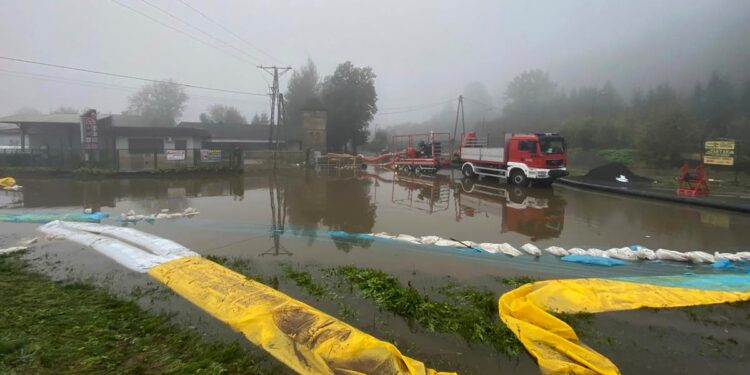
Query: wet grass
x: 49, y: 327
x: 515, y: 282
x: 468, y: 312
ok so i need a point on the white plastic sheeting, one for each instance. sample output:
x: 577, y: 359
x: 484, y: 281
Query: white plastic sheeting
x: 119, y: 244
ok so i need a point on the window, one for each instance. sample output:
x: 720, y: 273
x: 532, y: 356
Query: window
x: 529, y: 146
x: 145, y: 145
x: 180, y: 144
x: 552, y: 145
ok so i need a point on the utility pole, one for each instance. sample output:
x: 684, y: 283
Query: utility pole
x: 274, y: 71
x: 459, y: 111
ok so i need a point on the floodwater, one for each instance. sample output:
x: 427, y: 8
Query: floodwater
x: 285, y: 219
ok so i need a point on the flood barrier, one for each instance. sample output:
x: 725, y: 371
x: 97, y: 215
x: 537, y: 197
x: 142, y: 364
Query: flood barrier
x: 46, y: 217
x: 300, y: 336
x: 527, y: 311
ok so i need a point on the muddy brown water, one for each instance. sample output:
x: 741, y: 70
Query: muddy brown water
x: 239, y: 214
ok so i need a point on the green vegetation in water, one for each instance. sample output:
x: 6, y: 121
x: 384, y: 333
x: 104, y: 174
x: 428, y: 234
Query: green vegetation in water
x: 618, y: 155
x: 58, y: 328
x: 469, y: 313
x: 515, y: 281
x: 305, y: 281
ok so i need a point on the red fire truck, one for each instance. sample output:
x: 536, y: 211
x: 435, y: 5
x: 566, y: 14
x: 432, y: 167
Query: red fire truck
x: 539, y: 158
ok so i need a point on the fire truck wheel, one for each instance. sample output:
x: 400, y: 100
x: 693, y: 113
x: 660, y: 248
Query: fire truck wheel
x: 418, y: 170
x: 468, y: 171
x: 518, y: 178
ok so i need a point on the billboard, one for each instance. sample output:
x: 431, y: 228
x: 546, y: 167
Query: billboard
x: 89, y: 131
x: 210, y: 155
x: 719, y: 152
x: 176, y: 155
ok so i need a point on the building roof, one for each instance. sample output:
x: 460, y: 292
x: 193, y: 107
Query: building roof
x: 161, y: 132
x: 55, y: 118
x: 230, y: 132
x: 131, y: 121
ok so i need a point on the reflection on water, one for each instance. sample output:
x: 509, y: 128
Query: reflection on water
x: 301, y: 203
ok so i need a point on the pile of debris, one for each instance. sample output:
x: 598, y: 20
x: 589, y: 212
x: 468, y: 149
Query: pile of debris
x: 614, y: 173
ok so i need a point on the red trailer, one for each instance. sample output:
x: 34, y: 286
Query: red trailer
x: 421, y: 153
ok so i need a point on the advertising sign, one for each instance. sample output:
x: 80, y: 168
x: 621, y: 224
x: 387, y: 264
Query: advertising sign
x: 719, y: 152
x: 89, y: 131
x: 210, y: 155
x: 176, y: 155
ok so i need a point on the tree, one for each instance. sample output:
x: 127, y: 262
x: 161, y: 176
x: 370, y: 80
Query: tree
x: 744, y: 104
x: 668, y: 133
x: 27, y: 111
x: 379, y: 141
x: 718, y: 106
x: 160, y: 103
x: 223, y: 114
x: 350, y: 97
x: 65, y: 110
x: 261, y: 119
x: 477, y: 105
x: 532, y: 102
x: 301, y: 91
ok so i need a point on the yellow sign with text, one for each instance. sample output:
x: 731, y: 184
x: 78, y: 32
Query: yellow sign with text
x: 719, y: 152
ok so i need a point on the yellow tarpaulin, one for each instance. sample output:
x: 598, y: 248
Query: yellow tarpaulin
x: 7, y: 182
x: 305, y: 339
x: 554, y: 343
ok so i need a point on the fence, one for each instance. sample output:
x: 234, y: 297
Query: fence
x: 133, y: 160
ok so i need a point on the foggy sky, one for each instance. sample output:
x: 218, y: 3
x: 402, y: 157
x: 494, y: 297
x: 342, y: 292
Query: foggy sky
x: 422, y: 51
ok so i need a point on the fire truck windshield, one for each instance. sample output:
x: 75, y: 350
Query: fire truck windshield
x: 552, y: 145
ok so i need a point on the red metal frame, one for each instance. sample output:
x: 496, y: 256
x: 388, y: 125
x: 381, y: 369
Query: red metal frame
x: 692, y: 183
x: 402, y: 157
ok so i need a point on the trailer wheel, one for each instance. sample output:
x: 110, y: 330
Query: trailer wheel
x: 468, y: 171
x: 518, y: 178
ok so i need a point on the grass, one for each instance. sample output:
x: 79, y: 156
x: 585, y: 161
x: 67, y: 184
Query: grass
x: 49, y: 327
x: 468, y: 312
x: 619, y: 155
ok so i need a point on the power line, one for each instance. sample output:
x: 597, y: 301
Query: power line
x: 199, y: 29
x: 228, y: 30
x: 415, y: 108
x: 129, y: 76
x: 180, y: 31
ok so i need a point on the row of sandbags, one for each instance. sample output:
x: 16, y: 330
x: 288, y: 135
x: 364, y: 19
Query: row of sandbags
x: 132, y: 217
x: 631, y: 253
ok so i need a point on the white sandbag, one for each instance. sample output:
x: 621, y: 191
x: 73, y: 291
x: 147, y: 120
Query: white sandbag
x: 596, y: 253
x: 699, y: 257
x: 131, y: 213
x: 406, y: 237
x: 88, y: 211
x: 157, y: 245
x: 507, y: 249
x: 471, y: 244
x: 429, y: 240
x: 728, y: 256
x: 645, y: 254
x: 162, y: 216
x: 383, y: 235
x: 744, y: 255
x: 12, y: 249
x: 165, y: 210
x: 623, y: 253
x: 448, y: 243
x: 492, y: 248
x: 557, y: 251
x: 676, y: 256
x: 577, y: 251
x: 531, y: 249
